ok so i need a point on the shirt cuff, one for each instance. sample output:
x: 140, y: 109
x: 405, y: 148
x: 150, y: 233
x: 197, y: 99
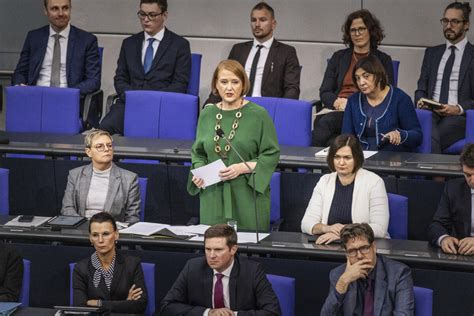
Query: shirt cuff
x: 339, y: 296
x: 206, y: 312
x: 460, y: 109
x: 440, y: 239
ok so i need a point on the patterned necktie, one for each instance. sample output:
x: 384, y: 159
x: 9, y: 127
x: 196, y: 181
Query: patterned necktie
x: 148, y: 56
x: 253, y: 70
x: 219, y: 292
x: 448, y: 68
x: 56, y: 63
x: 369, y: 298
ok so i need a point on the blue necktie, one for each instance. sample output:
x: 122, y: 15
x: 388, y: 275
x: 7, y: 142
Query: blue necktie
x: 444, y: 93
x: 148, y: 55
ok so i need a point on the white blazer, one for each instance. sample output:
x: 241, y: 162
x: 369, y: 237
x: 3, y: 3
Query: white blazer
x: 369, y: 203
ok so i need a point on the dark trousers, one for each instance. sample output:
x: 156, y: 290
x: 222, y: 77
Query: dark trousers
x: 445, y: 131
x: 326, y: 128
x: 113, y: 121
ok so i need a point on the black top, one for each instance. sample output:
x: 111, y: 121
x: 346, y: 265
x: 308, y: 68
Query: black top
x: 341, y: 206
x: 11, y: 274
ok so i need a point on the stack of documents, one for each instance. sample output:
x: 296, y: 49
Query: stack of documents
x: 149, y: 229
x: 37, y: 221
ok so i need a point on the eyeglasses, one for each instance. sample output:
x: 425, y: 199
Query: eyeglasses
x: 151, y: 16
x: 101, y: 147
x: 345, y: 158
x: 453, y: 22
x: 104, y: 235
x: 363, y: 250
x: 361, y: 30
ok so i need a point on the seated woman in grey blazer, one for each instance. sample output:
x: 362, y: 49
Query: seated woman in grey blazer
x: 108, y: 278
x: 101, y: 185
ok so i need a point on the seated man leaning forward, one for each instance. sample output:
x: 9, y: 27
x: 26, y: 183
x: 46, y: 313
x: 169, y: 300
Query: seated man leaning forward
x: 368, y: 284
x: 452, y: 227
x: 102, y: 186
x: 221, y: 283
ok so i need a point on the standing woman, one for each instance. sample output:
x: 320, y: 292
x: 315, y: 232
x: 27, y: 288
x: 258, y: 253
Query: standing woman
x: 250, y: 130
x: 363, y: 33
x: 108, y: 278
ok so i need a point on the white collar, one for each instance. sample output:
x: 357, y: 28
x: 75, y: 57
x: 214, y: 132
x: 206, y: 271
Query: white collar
x: 64, y: 33
x: 460, y: 45
x: 158, y: 36
x: 227, y: 271
x: 267, y: 44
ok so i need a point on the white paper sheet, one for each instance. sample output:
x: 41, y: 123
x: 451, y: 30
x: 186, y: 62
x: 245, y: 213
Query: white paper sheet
x: 189, y: 230
x: 144, y: 228
x: 324, y: 152
x: 243, y: 238
x: 210, y: 172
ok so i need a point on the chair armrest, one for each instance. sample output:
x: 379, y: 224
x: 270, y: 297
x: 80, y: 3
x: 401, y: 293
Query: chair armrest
x: 318, y: 104
x: 111, y: 99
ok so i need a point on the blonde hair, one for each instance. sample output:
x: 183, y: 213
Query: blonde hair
x: 90, y: 137
x: 234, y: 67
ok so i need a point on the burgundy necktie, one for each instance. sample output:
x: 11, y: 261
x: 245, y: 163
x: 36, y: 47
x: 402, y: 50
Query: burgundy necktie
x: 369, y: 299
x: 219, y: 292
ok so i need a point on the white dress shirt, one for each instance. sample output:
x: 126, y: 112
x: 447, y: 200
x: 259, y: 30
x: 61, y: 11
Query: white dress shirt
x: 454, y: 79
x: 225, y: 286
x: 156, y: 43
x: 257, y: 85
x: 44, y: 78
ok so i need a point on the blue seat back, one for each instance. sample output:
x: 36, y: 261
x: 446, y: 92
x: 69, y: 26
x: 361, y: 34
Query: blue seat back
x: 398, y: 208
x: 284, y: 288
x: 149, y: 275
x: 4, y: 192
x: 292, y: 119
x: 142, y: 183
x: 25, y: 285
x: 395, y: 65
x: 195, y: 76
x: 424, y: 117
x: 457, y: 147
x: 275, y: 213
x: 156, y: 114
x: 43, y: 110
x: 423, y: 301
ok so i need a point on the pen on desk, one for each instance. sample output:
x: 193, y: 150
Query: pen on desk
x: 271, y: 67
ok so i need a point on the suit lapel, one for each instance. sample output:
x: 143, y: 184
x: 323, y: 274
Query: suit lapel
x: 434, y: 70
x: 344, y: 66
x: 267, y: 69
x: 162, y: 47
x: 380, y: 286
x: 138, y: 52
x: 465, y: 61
x: 245, y: 53
x: 84, y: 185
x: 234, y: 274
x: 350, y: 301
x: 207, y: 285
x: 70, y: 49
x: 42, y: 50
x: 466, y: 216
x: 118, y: 270
x: 114, y: 185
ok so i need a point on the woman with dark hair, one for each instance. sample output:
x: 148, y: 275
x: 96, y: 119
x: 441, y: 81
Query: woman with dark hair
x: 250, y: 129
x: 108, y: 278
x: 350, y: 194
x: 362, y: 33
x: 381, y: 116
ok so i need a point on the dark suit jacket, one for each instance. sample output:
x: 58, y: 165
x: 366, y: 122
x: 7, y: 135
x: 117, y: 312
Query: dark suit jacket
x: 11, y: 274
x: 393, y: 292
x: 127, y: 271
x: 282, y: 80
x: 429, y: 73
x: 170, y: 69
x: 453, y: 216
x: 249, y: 290
x: 83, y: 68
x: 336, y: 70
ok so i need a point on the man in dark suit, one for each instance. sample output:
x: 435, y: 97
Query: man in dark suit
x: 368, y: 284
x: 452, y: 227
x: 273, y: 69
x: 72, y: 60
x: 11, y: 274
x: 221, y: 283
x: 156, y: 59
x: 447, y: 76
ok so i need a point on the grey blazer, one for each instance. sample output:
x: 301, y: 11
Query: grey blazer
x: 123, y: 197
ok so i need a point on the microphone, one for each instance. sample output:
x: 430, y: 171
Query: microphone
x: 220, y: 133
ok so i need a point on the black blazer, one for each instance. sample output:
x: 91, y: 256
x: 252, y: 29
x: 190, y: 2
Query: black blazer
x: 11, y: 274
x: 127, y: 271
x: 453, y: 216
x: 336, y: 70
x: 281, y: 73
x: 170, y: 69
x: 250, y: 293
x: 429, y: 73
x: 83, y: 68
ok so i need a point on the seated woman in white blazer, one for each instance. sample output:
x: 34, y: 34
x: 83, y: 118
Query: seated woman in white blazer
x: 348, y: 195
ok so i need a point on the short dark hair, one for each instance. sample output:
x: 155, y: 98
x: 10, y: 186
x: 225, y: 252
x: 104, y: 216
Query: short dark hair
x: 353, y: 143
x: 467, y: 156
x: 234, y: 67
x: 372, y: 65
x: 102, y: 217
x: 46, y: 3
x: 371, y: 22
x: 163, y: 4
x: 264, y: 6
x: 222, y: 230
x: 465, y: 7
x: 352, y: 231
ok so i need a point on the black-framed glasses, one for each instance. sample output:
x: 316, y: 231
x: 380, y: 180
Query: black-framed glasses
x: 151, y: 16
x: 361, y: 30
x: 101, y: 147
x: 453, y: 22
x: 363, y: 250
